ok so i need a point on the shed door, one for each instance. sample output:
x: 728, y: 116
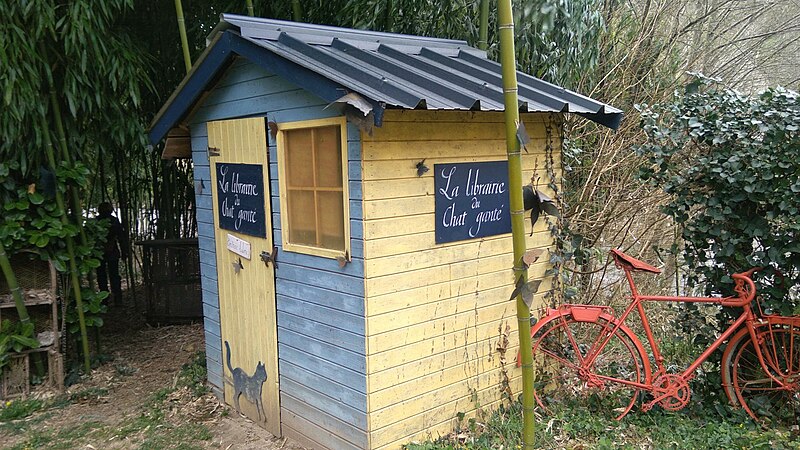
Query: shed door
x: 240, y: 185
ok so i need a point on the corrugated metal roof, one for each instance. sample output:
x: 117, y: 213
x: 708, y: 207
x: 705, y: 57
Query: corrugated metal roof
x: 389, y: 70
x: 410, y: 71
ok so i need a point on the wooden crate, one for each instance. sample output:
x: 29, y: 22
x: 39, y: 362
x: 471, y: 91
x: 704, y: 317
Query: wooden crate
x: 36, y: 277
x: 15, y: 380
x: 38, y: 281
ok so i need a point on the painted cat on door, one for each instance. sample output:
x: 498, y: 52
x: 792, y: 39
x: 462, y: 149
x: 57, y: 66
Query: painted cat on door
x: 249, y: 385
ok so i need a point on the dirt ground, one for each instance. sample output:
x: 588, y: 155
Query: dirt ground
x: 117, y: 401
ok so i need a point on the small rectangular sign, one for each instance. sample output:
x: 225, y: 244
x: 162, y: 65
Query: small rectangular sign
x: 471, y: 200
x: 239, y: 246
x: 240, y: 198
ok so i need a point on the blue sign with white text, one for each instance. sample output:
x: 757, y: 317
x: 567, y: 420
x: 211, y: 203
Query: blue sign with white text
x: 471, y: 200
x: 240, y: 198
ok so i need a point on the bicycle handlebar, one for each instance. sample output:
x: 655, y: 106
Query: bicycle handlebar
x: 744, y: 287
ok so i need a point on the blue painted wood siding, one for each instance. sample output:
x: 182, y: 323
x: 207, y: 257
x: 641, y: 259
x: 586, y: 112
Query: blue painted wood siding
x: 320, y: 306
x: 208, y: 257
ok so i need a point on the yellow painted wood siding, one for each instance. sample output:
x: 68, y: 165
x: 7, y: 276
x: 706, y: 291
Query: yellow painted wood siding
x: 247, y: 295
x: 435, y: 313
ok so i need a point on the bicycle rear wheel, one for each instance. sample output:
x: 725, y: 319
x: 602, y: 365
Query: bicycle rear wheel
x: 761, y: 396
x: 560, y: 347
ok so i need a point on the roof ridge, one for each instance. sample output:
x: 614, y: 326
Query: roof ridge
x: 247, y: 24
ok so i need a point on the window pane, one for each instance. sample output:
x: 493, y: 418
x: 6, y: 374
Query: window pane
x: 331, y: 213
x: 329, y: 157
x: 302, y: 220
x: 299, y: 164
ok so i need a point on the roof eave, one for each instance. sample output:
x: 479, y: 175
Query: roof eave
x: 178, y: 107
x: 213, y: 58
x: 608, y: 119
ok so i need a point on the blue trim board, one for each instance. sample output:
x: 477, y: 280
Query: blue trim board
x: 213, y: 62
x: 337, y: 391
x: 334, y: 407
x: 315, y: 425
x: 336, y: 327
x: 320, y: 295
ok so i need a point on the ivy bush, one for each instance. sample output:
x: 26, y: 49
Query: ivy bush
x: 731, y: 166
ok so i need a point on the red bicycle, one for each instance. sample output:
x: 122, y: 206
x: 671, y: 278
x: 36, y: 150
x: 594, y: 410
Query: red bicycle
x: 585, y: 351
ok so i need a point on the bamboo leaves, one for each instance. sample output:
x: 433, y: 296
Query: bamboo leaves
x: 97, y: 72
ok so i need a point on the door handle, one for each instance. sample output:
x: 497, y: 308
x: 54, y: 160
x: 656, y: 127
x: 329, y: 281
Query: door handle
x: 270, y: 257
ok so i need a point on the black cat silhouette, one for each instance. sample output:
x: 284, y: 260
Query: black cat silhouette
x: 248, y: 385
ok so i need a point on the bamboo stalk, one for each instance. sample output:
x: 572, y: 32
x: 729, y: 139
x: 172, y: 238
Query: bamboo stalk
x: 483, y: 39
x: 250, y: 8
x: 187, y: 58
x: 72, y: 192
x: 13, y: 286
x: 389, y: 15
x: 48, y: 144
x: 297, y: 11
x: 73, y: 267
x: 509, y: 68
x: 125, y: 219
x: 19, y: 301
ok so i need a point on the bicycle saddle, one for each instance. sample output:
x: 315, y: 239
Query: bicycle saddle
x: 625, y: 260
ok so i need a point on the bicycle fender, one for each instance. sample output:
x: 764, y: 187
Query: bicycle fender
x: 590, y: 313
x: 727, y: 382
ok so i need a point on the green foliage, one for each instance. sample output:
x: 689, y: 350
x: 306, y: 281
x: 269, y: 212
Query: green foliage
x: 97, y: 73
x: 19, y: 409
x: 730, y: 166
x: 15, y: 337
x: 574, y: 427
x: 558, y: 40
x: 31, y: 219
x: 93, y: 310
x: 194, y: 375
x: 455, y: 19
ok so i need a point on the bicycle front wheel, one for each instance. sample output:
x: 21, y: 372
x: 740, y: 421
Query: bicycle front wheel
x: 565, y: 376
x: 764, y: 397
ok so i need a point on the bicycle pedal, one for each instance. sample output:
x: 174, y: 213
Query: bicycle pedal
x: 649, y: 405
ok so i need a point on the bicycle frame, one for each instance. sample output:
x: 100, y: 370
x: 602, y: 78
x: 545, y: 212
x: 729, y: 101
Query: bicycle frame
x: 747, y: 318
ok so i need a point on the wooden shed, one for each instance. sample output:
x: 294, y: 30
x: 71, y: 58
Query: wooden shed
x: 353, y: 225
